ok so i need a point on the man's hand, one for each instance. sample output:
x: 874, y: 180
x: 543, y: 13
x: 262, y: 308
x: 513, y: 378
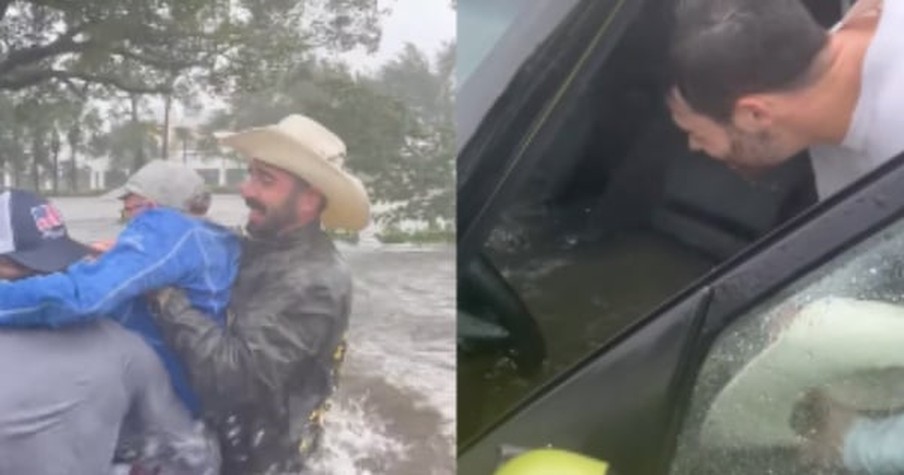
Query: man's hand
x: 100, y: 247
x: 157, y: 299
x: 862, y: 10
x: 823, y: 422
x: 163, y: 296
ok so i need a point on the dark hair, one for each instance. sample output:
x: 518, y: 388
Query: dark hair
x: 724, y: 49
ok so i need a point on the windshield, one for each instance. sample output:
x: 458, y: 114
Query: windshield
x: 495, y: 37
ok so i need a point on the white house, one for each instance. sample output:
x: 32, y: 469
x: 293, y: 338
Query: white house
x: 217, y: 171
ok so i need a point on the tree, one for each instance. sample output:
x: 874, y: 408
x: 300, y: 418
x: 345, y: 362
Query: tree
x: 138, y: 46
x: 55, y: 160
x: 128, y: 143
x: 10, y: 145
x: 183, y: 135
x: 428, y: 154
x: 81, y: 121
x: 33, y: 115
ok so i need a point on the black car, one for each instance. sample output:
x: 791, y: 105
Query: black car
x: 615, y: 289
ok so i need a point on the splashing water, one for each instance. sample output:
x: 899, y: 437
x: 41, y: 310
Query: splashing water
x: 394, y: 411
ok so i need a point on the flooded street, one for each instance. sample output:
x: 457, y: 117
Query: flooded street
x: 395, y: 409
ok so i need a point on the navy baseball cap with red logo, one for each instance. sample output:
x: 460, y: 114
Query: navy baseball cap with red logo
x: 32, y: 233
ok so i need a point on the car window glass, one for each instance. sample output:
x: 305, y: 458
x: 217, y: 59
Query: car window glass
x: 496, y: 38
x: 484, y: 21
x: 832, y: 339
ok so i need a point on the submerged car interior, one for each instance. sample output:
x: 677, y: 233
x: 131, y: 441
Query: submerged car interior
x: 616, y: 218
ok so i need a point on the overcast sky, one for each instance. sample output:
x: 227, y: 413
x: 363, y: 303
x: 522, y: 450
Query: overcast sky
x: 426, y: 23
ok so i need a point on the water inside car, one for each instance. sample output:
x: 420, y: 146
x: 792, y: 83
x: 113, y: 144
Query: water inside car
x: 616, y: 217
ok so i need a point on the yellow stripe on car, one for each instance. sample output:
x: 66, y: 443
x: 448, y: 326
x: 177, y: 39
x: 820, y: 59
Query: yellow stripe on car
x: 552, y: 462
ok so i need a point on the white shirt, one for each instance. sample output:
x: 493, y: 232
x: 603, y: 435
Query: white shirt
x: 876, y: 133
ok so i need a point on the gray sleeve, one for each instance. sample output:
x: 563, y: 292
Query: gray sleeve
x: 169, y: 439
x: 875, y: 446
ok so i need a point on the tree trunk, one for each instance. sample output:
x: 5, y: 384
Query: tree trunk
x: 139, y: 135
x: 56, y: 170
x: 35, y: 154
x: 73, y: 136
x: 55, y: 160
x: 167, y: 105
x: 15, y: 160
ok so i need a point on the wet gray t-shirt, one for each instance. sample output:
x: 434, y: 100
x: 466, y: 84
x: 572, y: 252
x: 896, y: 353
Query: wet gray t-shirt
x: 876, y: 133
x: 67, y: 392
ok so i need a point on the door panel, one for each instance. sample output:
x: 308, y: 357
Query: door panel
x: 615, y: 407
x: 778, y: 390
x: 840, y: 258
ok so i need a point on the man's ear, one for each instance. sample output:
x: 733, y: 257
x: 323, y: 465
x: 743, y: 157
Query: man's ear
x: 311, y: 201
x: 753, y: 114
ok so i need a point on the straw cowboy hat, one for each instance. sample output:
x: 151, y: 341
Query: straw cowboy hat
x: 304, y: 148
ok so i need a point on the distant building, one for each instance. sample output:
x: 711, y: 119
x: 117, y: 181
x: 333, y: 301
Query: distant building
x: 95, y: 174
x: 218, y: 172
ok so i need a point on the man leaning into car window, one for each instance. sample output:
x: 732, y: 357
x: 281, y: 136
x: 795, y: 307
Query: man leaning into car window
x: 835, y: 92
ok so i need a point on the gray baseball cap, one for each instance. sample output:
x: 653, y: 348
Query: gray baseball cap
x: 167, y: 183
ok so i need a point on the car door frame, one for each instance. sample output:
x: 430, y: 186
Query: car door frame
x: 802, y: 245
x: 516, y: 132
x: 694, y: 319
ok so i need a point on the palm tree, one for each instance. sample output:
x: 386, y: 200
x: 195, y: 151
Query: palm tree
x: 183, y: 134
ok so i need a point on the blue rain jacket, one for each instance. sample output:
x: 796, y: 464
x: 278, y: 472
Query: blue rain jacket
x: 159, y: 248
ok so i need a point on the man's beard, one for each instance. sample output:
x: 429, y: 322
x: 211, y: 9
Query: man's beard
x: 753, y: 155
x: 274, y: 219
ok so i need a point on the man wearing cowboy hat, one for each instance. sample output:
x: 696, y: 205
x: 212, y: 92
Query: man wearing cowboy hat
x: 264, y: 379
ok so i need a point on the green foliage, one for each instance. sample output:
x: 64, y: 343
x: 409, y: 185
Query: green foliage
x: 423, y: 179
x: 61, y: 60
x: 139, y: 46
x: 79, y: 79
x: 36, y: 123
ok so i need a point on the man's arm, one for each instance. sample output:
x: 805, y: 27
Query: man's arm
x: 146, y: 257
x: 252, y: 355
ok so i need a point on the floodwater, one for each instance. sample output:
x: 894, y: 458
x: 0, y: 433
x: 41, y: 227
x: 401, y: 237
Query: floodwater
x: 394, y: 411
x: 580, y: 297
